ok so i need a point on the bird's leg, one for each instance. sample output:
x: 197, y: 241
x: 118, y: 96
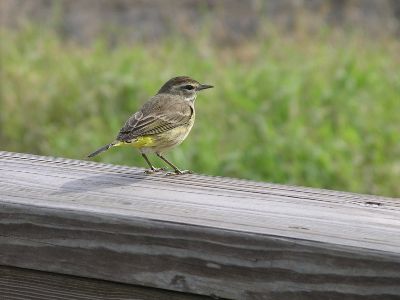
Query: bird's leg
x: 176, y: 170
x: 152, y: 168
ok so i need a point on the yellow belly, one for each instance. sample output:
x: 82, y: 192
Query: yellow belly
x: 139, y: 142
x: 143, y: 141
x: 159, y: 142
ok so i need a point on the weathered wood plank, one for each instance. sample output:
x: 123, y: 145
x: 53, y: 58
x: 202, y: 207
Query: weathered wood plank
x: 24, y: 284
x: 204, y: 235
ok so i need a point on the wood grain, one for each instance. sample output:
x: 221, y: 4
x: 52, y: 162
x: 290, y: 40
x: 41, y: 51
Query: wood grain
x: 24, y: 284
x: 203, y: 235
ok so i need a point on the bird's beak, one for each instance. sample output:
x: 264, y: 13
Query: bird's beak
x: 204, y: 86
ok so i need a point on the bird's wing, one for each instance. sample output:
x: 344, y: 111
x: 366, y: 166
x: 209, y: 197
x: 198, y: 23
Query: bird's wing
x: 159, y: 114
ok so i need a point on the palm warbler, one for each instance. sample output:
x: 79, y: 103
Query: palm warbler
x: 163, y: 122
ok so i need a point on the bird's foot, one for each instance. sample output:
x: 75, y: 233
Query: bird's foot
x: 179, y: 172
x: 154, y: 170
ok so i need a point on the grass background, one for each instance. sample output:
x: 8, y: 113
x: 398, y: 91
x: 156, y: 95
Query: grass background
x: 320, y: 111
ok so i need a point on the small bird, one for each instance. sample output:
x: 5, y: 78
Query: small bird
x: 162, y: 123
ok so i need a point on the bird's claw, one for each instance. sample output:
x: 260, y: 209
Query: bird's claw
x: 154, y: 170
x: 179, y: 172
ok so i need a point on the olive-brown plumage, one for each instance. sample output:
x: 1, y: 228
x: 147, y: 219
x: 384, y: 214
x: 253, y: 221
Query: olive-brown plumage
x: 163, y: 122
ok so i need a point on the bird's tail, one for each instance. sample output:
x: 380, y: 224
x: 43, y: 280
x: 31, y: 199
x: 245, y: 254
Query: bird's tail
x: 104, y: 148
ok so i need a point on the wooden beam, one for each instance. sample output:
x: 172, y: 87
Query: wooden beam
x: 203, y: 235
x: 23, y: 284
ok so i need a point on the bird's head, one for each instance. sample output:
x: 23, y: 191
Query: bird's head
x: 183, y: 86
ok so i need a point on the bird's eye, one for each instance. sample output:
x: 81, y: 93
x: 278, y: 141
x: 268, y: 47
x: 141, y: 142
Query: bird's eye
x: 188, y: 87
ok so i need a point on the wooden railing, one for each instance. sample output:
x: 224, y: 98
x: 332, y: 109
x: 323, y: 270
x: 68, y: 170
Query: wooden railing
x: 82, y: 230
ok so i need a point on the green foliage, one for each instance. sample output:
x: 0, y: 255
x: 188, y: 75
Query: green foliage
x: 321, y: 111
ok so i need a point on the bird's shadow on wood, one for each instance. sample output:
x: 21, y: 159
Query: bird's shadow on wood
x: 100, y: 182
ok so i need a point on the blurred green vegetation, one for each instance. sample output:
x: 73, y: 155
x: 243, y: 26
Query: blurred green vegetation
x: 320, y: 111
